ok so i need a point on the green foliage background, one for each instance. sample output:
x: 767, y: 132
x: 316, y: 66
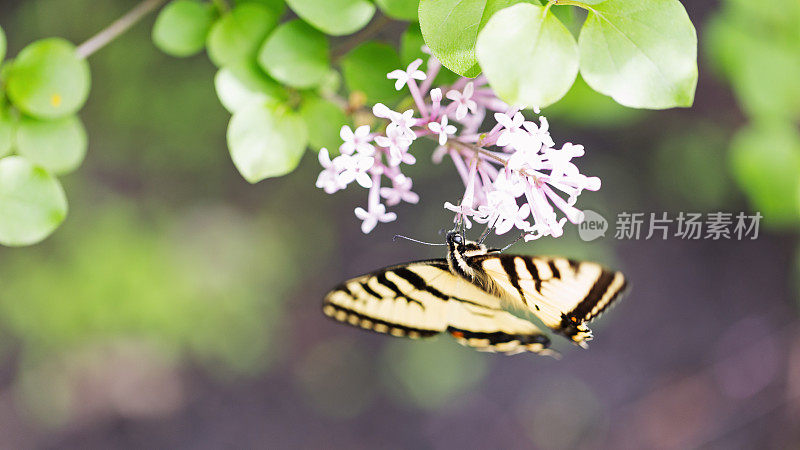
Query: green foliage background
x: 168, y: 251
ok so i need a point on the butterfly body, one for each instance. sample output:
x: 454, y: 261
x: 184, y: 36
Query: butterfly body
x: 469, y: 293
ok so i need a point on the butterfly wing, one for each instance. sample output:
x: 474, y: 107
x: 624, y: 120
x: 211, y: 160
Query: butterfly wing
x: 565, y: 294
x: 422, y: 299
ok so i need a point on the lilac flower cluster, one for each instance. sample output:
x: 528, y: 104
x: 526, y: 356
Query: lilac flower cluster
x: 513, y: 174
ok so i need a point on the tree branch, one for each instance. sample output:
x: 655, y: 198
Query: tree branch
x: 118, y: 27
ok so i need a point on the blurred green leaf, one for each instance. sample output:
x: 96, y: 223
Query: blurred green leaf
x: 586, y: 107
x: 527, y: 55
x: 323, y: 120
x: 399, y: 9
x: 2, y: 44
x: 451, y: 28
x: 237, y: 36
x: 336, y: 17
x: 762, y: 65
x: 241, y: 85
x: 424, y: 371
x: 48, y: 79
x: 182, y: 27
x: 365, y: 68
x: 7, y: 126
x: 658, y: 45
x: 157, y: 285
x: 411, y: 43
x: 32, y: 202
x: 296, y: 54
x: 57, y: 145
x: 765, y: 160
x: 331, y: 83
x: 276, y: 6
x: 266, y: 140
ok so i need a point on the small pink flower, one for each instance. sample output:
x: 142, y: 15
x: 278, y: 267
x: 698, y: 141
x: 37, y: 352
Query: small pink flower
x: 511, y: 128
x: 404, y: 76
x: 355, y: 168
x: 400, y: 191
x: 442, y: 129
x: 397, y: 142
x: 358, y: 141
x: 464, y: 101
x: 404, y: 121
x: 328, y: 179
x: 377, y: 213
x: 540, y: 133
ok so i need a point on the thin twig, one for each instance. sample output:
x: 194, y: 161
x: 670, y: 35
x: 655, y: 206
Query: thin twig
x: 371, y: 30
x: 118, y: 27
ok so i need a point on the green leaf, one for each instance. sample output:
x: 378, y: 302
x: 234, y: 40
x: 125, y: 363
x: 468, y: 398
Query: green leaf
x: 451, y: 28
x: 2, y: 44
x: 323, y: 120
x: 642, y: 54
x: 182, y: 27
x: 336, y: 17
x: 765, y: 160
x: 572, y: 18
x: 528, y: 56
x: 238, y: 86
x: 365, y: 68
x: 32, y: 202
x: 7, y: 130
x: 276, y: 6
x: 296, y: 54
x: 57, y: 145
x: 266, y: 140
x: 237, y: 36
x: 48, y: 79
x: 399, y: 9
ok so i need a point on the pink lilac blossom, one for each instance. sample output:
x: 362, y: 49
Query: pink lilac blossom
x: 515, y: 177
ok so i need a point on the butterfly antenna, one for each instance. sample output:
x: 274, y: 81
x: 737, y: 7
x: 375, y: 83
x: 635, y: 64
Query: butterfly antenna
x: 394, y: 239
x: 486, y: 232
x: 521, y: 235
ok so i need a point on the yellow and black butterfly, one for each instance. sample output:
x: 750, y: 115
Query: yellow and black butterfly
x: 468, y: 294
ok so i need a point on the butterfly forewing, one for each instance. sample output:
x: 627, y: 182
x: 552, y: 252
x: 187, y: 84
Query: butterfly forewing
x: 423, y: 299
x: 565, y: 294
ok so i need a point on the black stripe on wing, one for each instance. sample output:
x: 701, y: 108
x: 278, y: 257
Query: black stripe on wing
x: 498, y: 337
x: 342, y: 314
x: 603, y: 290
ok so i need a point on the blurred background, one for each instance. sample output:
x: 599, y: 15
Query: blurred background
x: 178, y: 306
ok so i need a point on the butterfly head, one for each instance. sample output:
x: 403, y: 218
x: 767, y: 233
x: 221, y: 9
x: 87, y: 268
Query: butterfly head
x: 457, y: 243
x: 454, y: 238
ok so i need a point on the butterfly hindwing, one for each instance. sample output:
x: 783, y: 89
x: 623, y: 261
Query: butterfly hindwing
x: 565, y: 294
x: 423, y: 299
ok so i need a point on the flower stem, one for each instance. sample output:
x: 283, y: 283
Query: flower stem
x: 417, y: 96
x: 117, y: 28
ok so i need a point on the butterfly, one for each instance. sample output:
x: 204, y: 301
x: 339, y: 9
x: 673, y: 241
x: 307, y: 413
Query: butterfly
x: 469, y: 294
